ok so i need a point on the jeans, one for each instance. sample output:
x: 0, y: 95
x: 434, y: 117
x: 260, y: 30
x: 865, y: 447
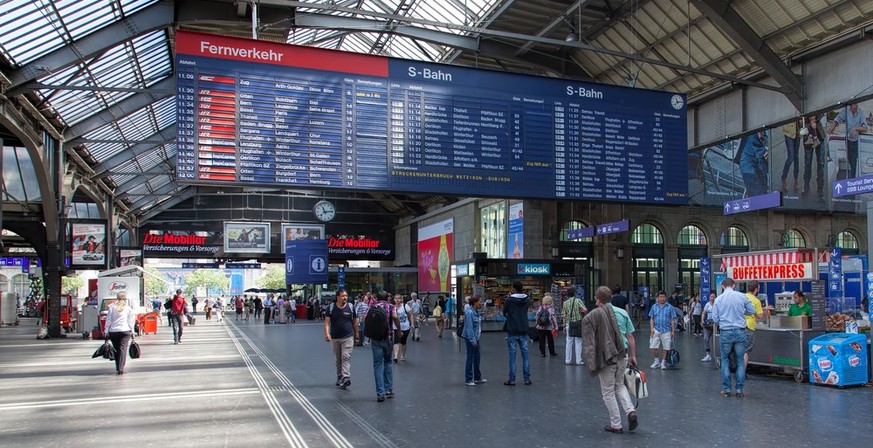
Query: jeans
x: 382, y: 366
x: 808, y: 152
x: 176, y: 322
x: 513, y: 341
x: 474, y: 355
x: 612, y: 387
x: 791, y: 158
x: 852, y: 155
x: 732, y: 340
x: 574, y: 345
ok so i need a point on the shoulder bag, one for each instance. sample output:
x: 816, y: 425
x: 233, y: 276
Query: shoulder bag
x: 635, y: 381
x: 575, y: 326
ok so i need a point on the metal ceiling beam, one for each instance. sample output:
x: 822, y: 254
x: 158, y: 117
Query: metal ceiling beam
x: 140, y: 179
x: 165, y: 189
x: 156, y: 16
x: 166, y: 135
x: 560, y: 20
x: 726, y: 18
x: 36, y: 85
x: 121, y: 109
x: 183, y: 196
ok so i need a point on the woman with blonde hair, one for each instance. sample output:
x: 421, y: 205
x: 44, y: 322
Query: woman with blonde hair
x: 547, y: 325
x: 120, y: 322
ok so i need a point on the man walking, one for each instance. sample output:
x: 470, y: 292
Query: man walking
x: 574, y: 310
x: 415, y: 306
x: 175, y: 315
x: 382, y: 348
x: 619, y: 300
x: 729, y: 313
x: 662, y: 324
x: 608, y: 334
x: 341, y: 331
x: 752, y: 290
x: 515, y: 311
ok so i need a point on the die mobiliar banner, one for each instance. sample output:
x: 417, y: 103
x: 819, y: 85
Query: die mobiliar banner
x: 160, y: 243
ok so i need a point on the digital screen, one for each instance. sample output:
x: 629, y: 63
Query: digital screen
x: 261, y: 113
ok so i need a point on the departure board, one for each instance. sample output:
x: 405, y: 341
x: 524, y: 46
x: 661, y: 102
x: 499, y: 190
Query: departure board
x: 261, y: 113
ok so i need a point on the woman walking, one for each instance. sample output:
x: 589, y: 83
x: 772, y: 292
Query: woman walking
x: 471, y: 333
x: 547, y: 325
x: 120, y: 322
x: 405, y: 316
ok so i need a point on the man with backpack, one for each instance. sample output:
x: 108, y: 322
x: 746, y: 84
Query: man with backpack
x: 341, y: 331
x: 379, y: 325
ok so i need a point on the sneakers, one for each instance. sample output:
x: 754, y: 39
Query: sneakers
x: 632, y: 420
x: 480, y: 381
x: 389, y: 394
x: 380, y: 398
x: 663, y: 365
x: 345, y: 383
x: 655, y: 364
x: 470, y: 383
x: 707, y: 358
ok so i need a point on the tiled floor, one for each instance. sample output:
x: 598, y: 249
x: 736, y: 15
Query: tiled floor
x: 246, y: 384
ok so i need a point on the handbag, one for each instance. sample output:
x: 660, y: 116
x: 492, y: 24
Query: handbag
x: 576, y: 329
x: 134, y: 350
x: 105, y: 351
x: 554, y: 332
x: 635, y: 381
x: 533, y: 334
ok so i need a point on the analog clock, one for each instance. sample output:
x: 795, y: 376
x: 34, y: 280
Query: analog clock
x: 677, y: 102
x: 324, y: 211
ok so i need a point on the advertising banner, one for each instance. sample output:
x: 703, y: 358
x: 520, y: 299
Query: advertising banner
x: 515, y: 242
x: 88, y: 245
x: 129, y: 257
x: 247, y: 237
x: 181, y: 244
x: 306, y: 262
x: 435, y: 254
x: 301, y: 231
x: 361, y: 247
x: 109, y: 287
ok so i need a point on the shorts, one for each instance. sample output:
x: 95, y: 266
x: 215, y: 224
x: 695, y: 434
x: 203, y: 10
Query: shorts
x: 660, y: 340
x: 750, y: 340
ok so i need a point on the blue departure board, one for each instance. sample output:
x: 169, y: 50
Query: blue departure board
x: 261, y: 113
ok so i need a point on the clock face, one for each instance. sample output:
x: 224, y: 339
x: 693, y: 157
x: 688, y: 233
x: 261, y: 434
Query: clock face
x: 677, y: 102
x: 324, y: 211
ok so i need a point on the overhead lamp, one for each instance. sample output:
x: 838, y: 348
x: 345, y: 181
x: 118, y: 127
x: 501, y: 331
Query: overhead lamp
x: 571, y: 37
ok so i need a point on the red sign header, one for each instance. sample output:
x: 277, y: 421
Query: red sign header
x: 793, y: 271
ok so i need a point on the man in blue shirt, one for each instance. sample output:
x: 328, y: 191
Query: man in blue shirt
x: 729, y: 312
x: 662, y: 323
x: 855, y: 124
x: 450, y: 311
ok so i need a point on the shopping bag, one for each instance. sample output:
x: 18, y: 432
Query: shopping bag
x: 105, y: 351
x: 635, y: 381
x: 134, y: 350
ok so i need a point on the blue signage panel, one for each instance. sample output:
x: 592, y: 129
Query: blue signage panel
x: 236, y: 282
x: 835, y: 274
x: 705, y: 279
x: 261, y: 113
x: 341, y: 277
x: 242, y: 265
x: 613, y: 227
x: 760, y: 202
x: 578, y: 234
x: 853, y: 186
x: 463, y: 270
x: 199, y: 265
x: 306, y: 262
x: 533, y: 269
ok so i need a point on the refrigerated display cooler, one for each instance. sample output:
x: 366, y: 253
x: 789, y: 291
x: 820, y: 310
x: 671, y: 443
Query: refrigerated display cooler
x: 838, y: 359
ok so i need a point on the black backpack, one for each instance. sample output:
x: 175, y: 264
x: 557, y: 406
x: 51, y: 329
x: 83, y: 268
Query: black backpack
x: 376, y: 324
x: 168, y: 304
x: 543, y: 318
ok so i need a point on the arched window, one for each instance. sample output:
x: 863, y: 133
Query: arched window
x: 734, y: 236
x: 847, y: 240
x: 21, y: 285
x: 647, y: 234
x: 574, y: 225
x: 691, y: 235
x: 793, y: 238
x: 4, y: 283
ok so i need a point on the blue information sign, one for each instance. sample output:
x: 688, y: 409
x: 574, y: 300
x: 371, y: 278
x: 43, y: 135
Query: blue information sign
x: 341, y: 277
x: 853, y: 186
x: 705, y: 278
x: 533, y: 269
x: 613, y: 227
x: 306, y: 262
x: 231, y: 265
x: 260, y: 113
x: 199, y: 265
x: 760, y: 202
x: 835, y: 274
x: 578, y: 234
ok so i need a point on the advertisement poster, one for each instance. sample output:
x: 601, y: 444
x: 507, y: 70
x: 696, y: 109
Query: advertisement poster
x: 801, y: 159
x: 247, y: 237
x: 129, y: 257
x: 301, y: 231
x: 515, y: 246
x: 435, y: 254
x: 361, y: 247
x: 88, y: 244
x: 175, y: 243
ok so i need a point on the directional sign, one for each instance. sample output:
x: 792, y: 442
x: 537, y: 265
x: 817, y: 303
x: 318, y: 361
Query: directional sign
x: 613, y: 227
x: 306, y: 262
x: 341, y: 277
x: 705, y: 273
x: 835, y: 274
x: 578, y: 234
x: 764, y: 201
x: 853, y: 186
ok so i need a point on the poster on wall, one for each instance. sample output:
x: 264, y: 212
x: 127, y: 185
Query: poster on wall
x: 801, y: 159
x: 88, y: 244
x: 247, y: 237
x: 301, y: 231
x: 129, y: 257
x: 515, y: 243
x: 435, y: 255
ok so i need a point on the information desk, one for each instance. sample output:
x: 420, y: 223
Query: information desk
x: 780, y: 348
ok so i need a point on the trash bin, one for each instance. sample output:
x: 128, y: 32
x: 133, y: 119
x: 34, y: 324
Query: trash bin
x: 149, y: 323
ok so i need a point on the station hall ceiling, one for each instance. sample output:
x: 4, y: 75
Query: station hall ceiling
x: 101, y: 73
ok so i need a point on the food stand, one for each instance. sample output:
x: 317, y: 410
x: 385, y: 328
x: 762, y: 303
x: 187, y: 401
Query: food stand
x: 781, y: 342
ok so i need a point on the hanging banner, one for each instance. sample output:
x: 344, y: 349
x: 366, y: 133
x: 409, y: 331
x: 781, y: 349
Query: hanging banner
x: 301, y: 231
x: 247, y: 237
x: 435, y: 255
x: 181, y: 244
x: 306, y: 262
x: 129, y: 257
x: 88, y: 245
x: 515, y: 243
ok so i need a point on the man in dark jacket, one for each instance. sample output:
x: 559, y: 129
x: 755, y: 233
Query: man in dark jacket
x: 515, y: 309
